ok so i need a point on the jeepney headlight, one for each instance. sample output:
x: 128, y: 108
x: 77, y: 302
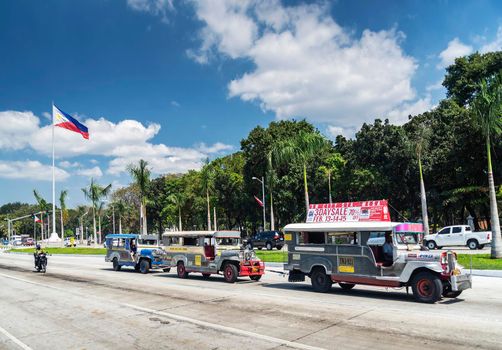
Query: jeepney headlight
x: 241, y: 255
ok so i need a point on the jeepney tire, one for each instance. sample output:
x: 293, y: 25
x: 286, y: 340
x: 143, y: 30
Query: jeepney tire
x: 259, y: 248
x: 452, y: 294
x: 472, y: 244
x: 279, y: 247
x: 431, y: 245
x: 230, y: 273
x: 144, y: 266
x: 116, y: 266
x: 320, y: 281
x: 255, y: 278
x: 136, y: 267
x: 427, y: 287
x: 182, y: 272
x: 346, y: 286
x: 206, y: 275
x: 481, y: 246
x: 269, y: 246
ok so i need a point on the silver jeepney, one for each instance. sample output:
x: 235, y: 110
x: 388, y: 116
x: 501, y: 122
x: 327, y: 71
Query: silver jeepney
x: 211, y: 252
x: 347, y: 253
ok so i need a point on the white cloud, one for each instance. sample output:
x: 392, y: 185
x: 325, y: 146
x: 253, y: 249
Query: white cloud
x: 155, y: 7
x: 30, y: 170
x: 495, y: 45
x: 455, y: 49
x: 124, y: 142
x: 400, y: 114
x: 67, y: 164
x: 438, y: 85
x: 90, y: 172
x: 174, y: 103
x: 16, y: 129
x: 306, y: 65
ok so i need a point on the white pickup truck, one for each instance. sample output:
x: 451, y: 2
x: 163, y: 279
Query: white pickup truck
x: 456, y: 236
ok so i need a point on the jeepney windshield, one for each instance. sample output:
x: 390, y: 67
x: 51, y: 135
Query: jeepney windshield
x: 406, y: 237
x: 228, y: 241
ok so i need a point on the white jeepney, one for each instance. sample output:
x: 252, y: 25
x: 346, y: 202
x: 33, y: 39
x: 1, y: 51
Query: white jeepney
x: 342, y: 252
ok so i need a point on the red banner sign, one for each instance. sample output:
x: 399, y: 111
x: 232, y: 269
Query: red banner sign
x: 349, y: 212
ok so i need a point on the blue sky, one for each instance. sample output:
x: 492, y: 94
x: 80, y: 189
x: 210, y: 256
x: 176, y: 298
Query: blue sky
x: 175, y: 82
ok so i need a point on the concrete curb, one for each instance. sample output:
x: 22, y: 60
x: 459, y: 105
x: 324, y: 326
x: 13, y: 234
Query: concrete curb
x: 487, y: 273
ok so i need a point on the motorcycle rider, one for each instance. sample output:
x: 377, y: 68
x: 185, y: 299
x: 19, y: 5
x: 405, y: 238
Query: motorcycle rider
x: 38, y: 251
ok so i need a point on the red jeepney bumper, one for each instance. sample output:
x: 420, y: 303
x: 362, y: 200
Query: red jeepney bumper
x: 252, y: 268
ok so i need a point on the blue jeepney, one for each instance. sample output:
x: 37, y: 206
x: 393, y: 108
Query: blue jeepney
x: 120, y: 252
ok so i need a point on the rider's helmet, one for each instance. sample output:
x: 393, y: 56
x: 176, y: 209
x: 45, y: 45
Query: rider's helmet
x: 38, y: 247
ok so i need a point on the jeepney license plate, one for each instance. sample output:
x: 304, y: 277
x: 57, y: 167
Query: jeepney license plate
x: 255, y: 269
x: 346, y: 264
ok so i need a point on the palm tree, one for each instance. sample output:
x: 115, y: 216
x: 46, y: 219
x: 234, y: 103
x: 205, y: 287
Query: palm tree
x: 301, y: 148
x: 120, y: 209
x: 81, y: 212
x: 64, y: 210
x: 44, y: 207
x: 419, y: 144
x: 207, y: 175
x: 100, y: 212
x: 487, y: 107
x: 94, y: 193
x: 141, y: 176
x: 271, y: 177
x: 179, y: 201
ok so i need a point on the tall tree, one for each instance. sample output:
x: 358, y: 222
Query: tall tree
x: 120, y: 209
x: 141, y: 176
x: 207, y: 175
x: 487, y: 106
x: 64, y: 210
x: 178, y: 199
x: 44, y: 208
x: 302, y: 148
x: 419, y: 144
x: 94, y: 193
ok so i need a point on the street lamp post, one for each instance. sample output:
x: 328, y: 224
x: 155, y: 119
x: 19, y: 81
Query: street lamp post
x: 263, y: 199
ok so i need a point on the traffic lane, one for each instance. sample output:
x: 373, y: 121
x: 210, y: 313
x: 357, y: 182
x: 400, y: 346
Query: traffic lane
x: 373, y: 297
x: 280, y: 303
x: 44, y: 317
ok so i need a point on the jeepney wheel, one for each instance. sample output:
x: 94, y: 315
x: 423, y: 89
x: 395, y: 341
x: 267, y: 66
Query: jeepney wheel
x: 427, y: 287
x: 279, y: 247
x: 431, y: 245
x: 346, y: 286
x: 144, y: 266
x: 206, y: 275
x: 320, y: 281
x: 255, y: 278
x: 182, y: 272
x: 230, y: 273
x: 116, y: 266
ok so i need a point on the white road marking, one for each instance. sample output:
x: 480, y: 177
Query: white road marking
x: 15, y: 340
x: 200, y: 323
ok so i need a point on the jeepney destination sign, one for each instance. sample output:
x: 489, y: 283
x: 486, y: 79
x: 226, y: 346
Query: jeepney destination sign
x: 377, y: 210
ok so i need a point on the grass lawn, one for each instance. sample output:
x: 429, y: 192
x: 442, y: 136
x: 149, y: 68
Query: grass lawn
x: 480, y: 262
x: 272, y: 255
x: 60, y: 250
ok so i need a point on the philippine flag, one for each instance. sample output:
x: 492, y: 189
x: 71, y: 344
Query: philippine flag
x: 66, y: 121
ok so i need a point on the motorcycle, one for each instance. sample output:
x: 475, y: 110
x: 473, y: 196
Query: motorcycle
x: 41, y: 262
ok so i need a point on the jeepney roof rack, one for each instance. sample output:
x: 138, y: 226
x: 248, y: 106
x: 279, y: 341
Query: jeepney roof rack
x: 217, y: 234
x: 342, y: 226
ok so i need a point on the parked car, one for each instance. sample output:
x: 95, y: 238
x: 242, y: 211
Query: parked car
x: 28, y: 241
x: 458, y: 235
x: 267, y: 239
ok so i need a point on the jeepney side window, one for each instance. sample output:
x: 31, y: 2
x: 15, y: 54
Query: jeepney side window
x: 172, y: 241
x: 311, y: 238
x: 118, y: 242
x: 342, y: 237
x: 191, y: 241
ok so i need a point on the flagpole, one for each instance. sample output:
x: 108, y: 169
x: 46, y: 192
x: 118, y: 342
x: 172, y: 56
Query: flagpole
x: 54, y: 235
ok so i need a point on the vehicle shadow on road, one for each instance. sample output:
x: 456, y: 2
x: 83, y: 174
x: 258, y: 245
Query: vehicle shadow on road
x: 383, y: 294
x: 199, y: 277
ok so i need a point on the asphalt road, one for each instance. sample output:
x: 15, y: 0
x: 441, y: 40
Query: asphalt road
x: 81, y: 303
